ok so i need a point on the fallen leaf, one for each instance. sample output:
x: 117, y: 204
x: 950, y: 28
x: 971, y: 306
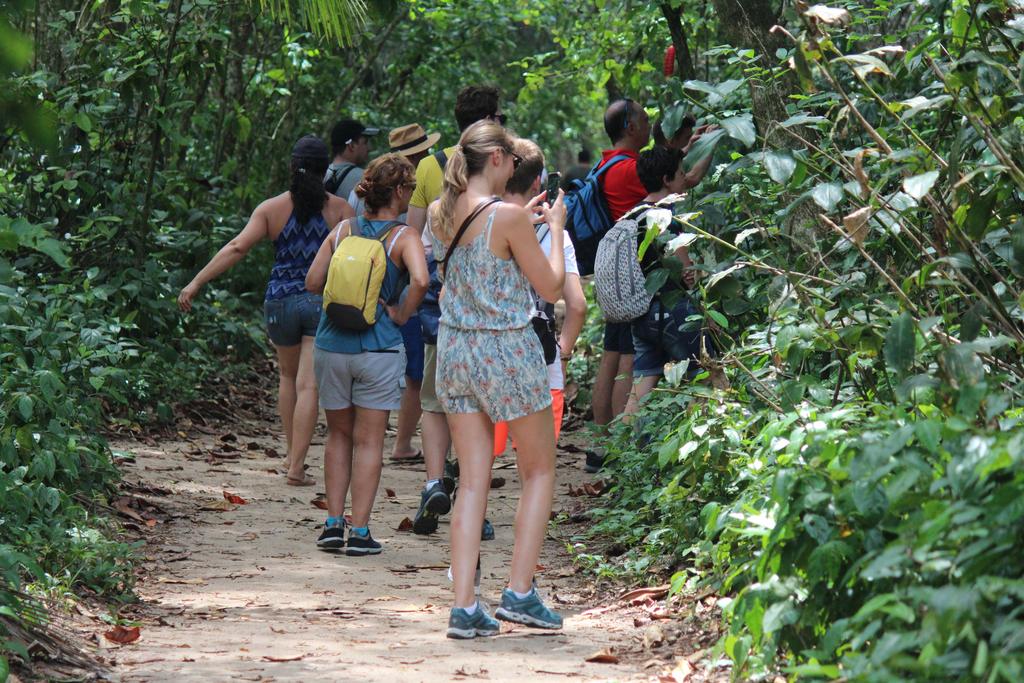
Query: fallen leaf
x: 187, y: 582
x: 405, y: 525
x: 390, y: 493
x: 122, y: 635
x: 654, y: 592
x: 654, y: 636
x: 856, y: 224
x: 497, y: 482
x: 682, y: 672
x: 150, y: 522
x: 227, y: 438
x: 319, y: 503
x: 268, y: 658
x: 271, y: 453
x: 237, y: 500
x: 603, y: 657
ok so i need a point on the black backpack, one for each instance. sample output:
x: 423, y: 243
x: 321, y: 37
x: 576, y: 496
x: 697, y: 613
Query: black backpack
x: 334, y: 180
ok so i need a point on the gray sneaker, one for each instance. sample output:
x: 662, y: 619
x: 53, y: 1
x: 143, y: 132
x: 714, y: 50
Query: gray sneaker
x: 529, y: 610
x: 462, y: 625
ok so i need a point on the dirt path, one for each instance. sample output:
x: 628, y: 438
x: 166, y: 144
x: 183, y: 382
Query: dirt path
x: 239, y: 591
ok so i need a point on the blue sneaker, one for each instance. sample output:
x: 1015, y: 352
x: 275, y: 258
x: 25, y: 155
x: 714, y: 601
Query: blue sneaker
x: 462, y: 625
x: 529, y: 610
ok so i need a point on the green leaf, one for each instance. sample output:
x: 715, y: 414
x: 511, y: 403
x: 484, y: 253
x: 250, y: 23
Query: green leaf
x: 83, y: 121
x: 54, y: 250
x: 827, y: 195
x: 741, y: 128
x: 929, y: 434
x: 25, y: 407
x: 778, y: 615
x: 899, y: 344
x: 919, y: 185
x: 977, y: 219
x: 704, y: 147
x: 780, y: 165
x: 718, y: 318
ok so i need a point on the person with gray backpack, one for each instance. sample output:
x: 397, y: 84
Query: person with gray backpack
x: 630, y: 253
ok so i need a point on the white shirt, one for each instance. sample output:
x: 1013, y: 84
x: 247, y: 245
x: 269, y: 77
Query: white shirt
x: 556, y: 380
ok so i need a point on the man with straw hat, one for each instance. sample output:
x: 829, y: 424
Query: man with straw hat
x: 414, y: 143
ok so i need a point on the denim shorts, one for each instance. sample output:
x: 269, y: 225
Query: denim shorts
x: 618, y: 338
x: 412, y: 338
x: 291, y: 318
x: 658, y: 339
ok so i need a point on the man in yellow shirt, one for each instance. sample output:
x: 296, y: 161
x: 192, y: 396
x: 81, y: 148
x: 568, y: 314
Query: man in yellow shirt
x: 473, y: 104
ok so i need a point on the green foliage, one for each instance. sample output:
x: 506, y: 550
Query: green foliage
x: 855, y: 493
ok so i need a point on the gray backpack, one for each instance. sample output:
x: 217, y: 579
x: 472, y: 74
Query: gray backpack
x: 619, y: 282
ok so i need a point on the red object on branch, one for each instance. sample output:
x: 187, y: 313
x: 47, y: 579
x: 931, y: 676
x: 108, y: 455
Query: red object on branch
x: 669, y: 67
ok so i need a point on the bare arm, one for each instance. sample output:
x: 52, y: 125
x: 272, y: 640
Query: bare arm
x: 575, y: 313
x: 416, y: 218
x: 231, y: 253
x: 415, y: 263
x: 316, y: 276
x: 546, y: 275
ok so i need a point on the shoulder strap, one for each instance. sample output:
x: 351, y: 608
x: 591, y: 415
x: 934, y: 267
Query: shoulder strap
x: 337, y: 233
x: 637, y: 211
x: 441, y: 158
x: 465, y: 226
x: 542, y: 231
x: 345, y: 174
x: 601, y: 167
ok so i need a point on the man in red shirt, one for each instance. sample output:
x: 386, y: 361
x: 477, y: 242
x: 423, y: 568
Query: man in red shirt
x: 629, y: 129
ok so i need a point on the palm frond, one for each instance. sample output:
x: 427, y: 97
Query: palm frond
x: 333, y: 19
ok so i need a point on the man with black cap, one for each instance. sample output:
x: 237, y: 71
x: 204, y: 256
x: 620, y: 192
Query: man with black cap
x: 350, y: 144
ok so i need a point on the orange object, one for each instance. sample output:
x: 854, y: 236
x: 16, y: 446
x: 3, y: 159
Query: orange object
x: 557, y: 410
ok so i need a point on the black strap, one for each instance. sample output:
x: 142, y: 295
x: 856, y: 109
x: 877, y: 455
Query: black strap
x: 441, y: 158
x: 344, y: 175
x: 462, y: 230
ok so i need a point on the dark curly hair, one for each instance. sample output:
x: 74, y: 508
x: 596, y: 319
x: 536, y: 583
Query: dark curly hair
x: 475, y: 102
x: 656, y: 164
x: 307, y: 187
x: 382, y: 177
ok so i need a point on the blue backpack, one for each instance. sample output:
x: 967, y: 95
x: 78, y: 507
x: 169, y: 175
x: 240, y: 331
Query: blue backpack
x: 587, y: 214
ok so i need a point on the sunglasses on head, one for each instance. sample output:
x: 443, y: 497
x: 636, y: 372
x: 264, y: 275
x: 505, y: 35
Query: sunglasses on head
x: 629, y: 110
x: 500, y: 118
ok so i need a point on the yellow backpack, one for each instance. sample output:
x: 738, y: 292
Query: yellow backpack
x: 354, y: 278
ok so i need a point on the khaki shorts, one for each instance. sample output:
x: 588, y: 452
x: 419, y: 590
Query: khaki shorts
x: 428, y: 390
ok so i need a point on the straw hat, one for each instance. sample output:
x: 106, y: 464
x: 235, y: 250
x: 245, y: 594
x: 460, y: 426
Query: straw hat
x: 410, y: 139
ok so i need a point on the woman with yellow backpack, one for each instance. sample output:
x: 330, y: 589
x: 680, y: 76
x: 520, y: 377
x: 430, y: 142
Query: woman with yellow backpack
x: 362, y: 268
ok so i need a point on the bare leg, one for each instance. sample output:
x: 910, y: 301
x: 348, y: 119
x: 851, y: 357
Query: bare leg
x: 473, y: 435
x: 338, y: 458
x: 603, y: 384
x: 535, y: 457
x: 368, y: 455
x: 641, y: 387
x: 436, y: 440
x: 305, y: 413
x: 623, y: 384
x: 408, y: 417
x: 287, y: 368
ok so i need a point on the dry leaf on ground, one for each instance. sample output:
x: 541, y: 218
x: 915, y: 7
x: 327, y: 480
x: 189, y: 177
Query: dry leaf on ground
x: 269, y: 658
x: 237, y: 500
x: 122, y: 634
x: 319, y: 503
x: 219, y: 506
x: 605, y: 656
x: 405, y: 525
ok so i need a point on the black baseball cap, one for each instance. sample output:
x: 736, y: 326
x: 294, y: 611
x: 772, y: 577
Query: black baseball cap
x: 350, y: 130
x: 310, y: 147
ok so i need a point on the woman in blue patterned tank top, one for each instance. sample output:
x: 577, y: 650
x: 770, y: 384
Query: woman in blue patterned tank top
x: 296, y: 222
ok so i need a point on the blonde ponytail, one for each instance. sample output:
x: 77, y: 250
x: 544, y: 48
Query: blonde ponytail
x: 470, y: 158
x: 456, y: 179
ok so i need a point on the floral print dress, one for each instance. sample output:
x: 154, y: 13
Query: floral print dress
x: 488, y: 357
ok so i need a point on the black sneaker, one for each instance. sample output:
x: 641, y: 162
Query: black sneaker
x: 332, y: 538
x: 487, y: 532
x: 362, y: 545
x: 434, y: 501
x: 595, y: 461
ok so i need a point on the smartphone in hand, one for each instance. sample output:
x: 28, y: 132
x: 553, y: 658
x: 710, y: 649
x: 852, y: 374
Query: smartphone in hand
x: 551, y: 192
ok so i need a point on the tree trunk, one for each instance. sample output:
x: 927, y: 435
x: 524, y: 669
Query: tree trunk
x: 747, y: 24
x: 684, y: 60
